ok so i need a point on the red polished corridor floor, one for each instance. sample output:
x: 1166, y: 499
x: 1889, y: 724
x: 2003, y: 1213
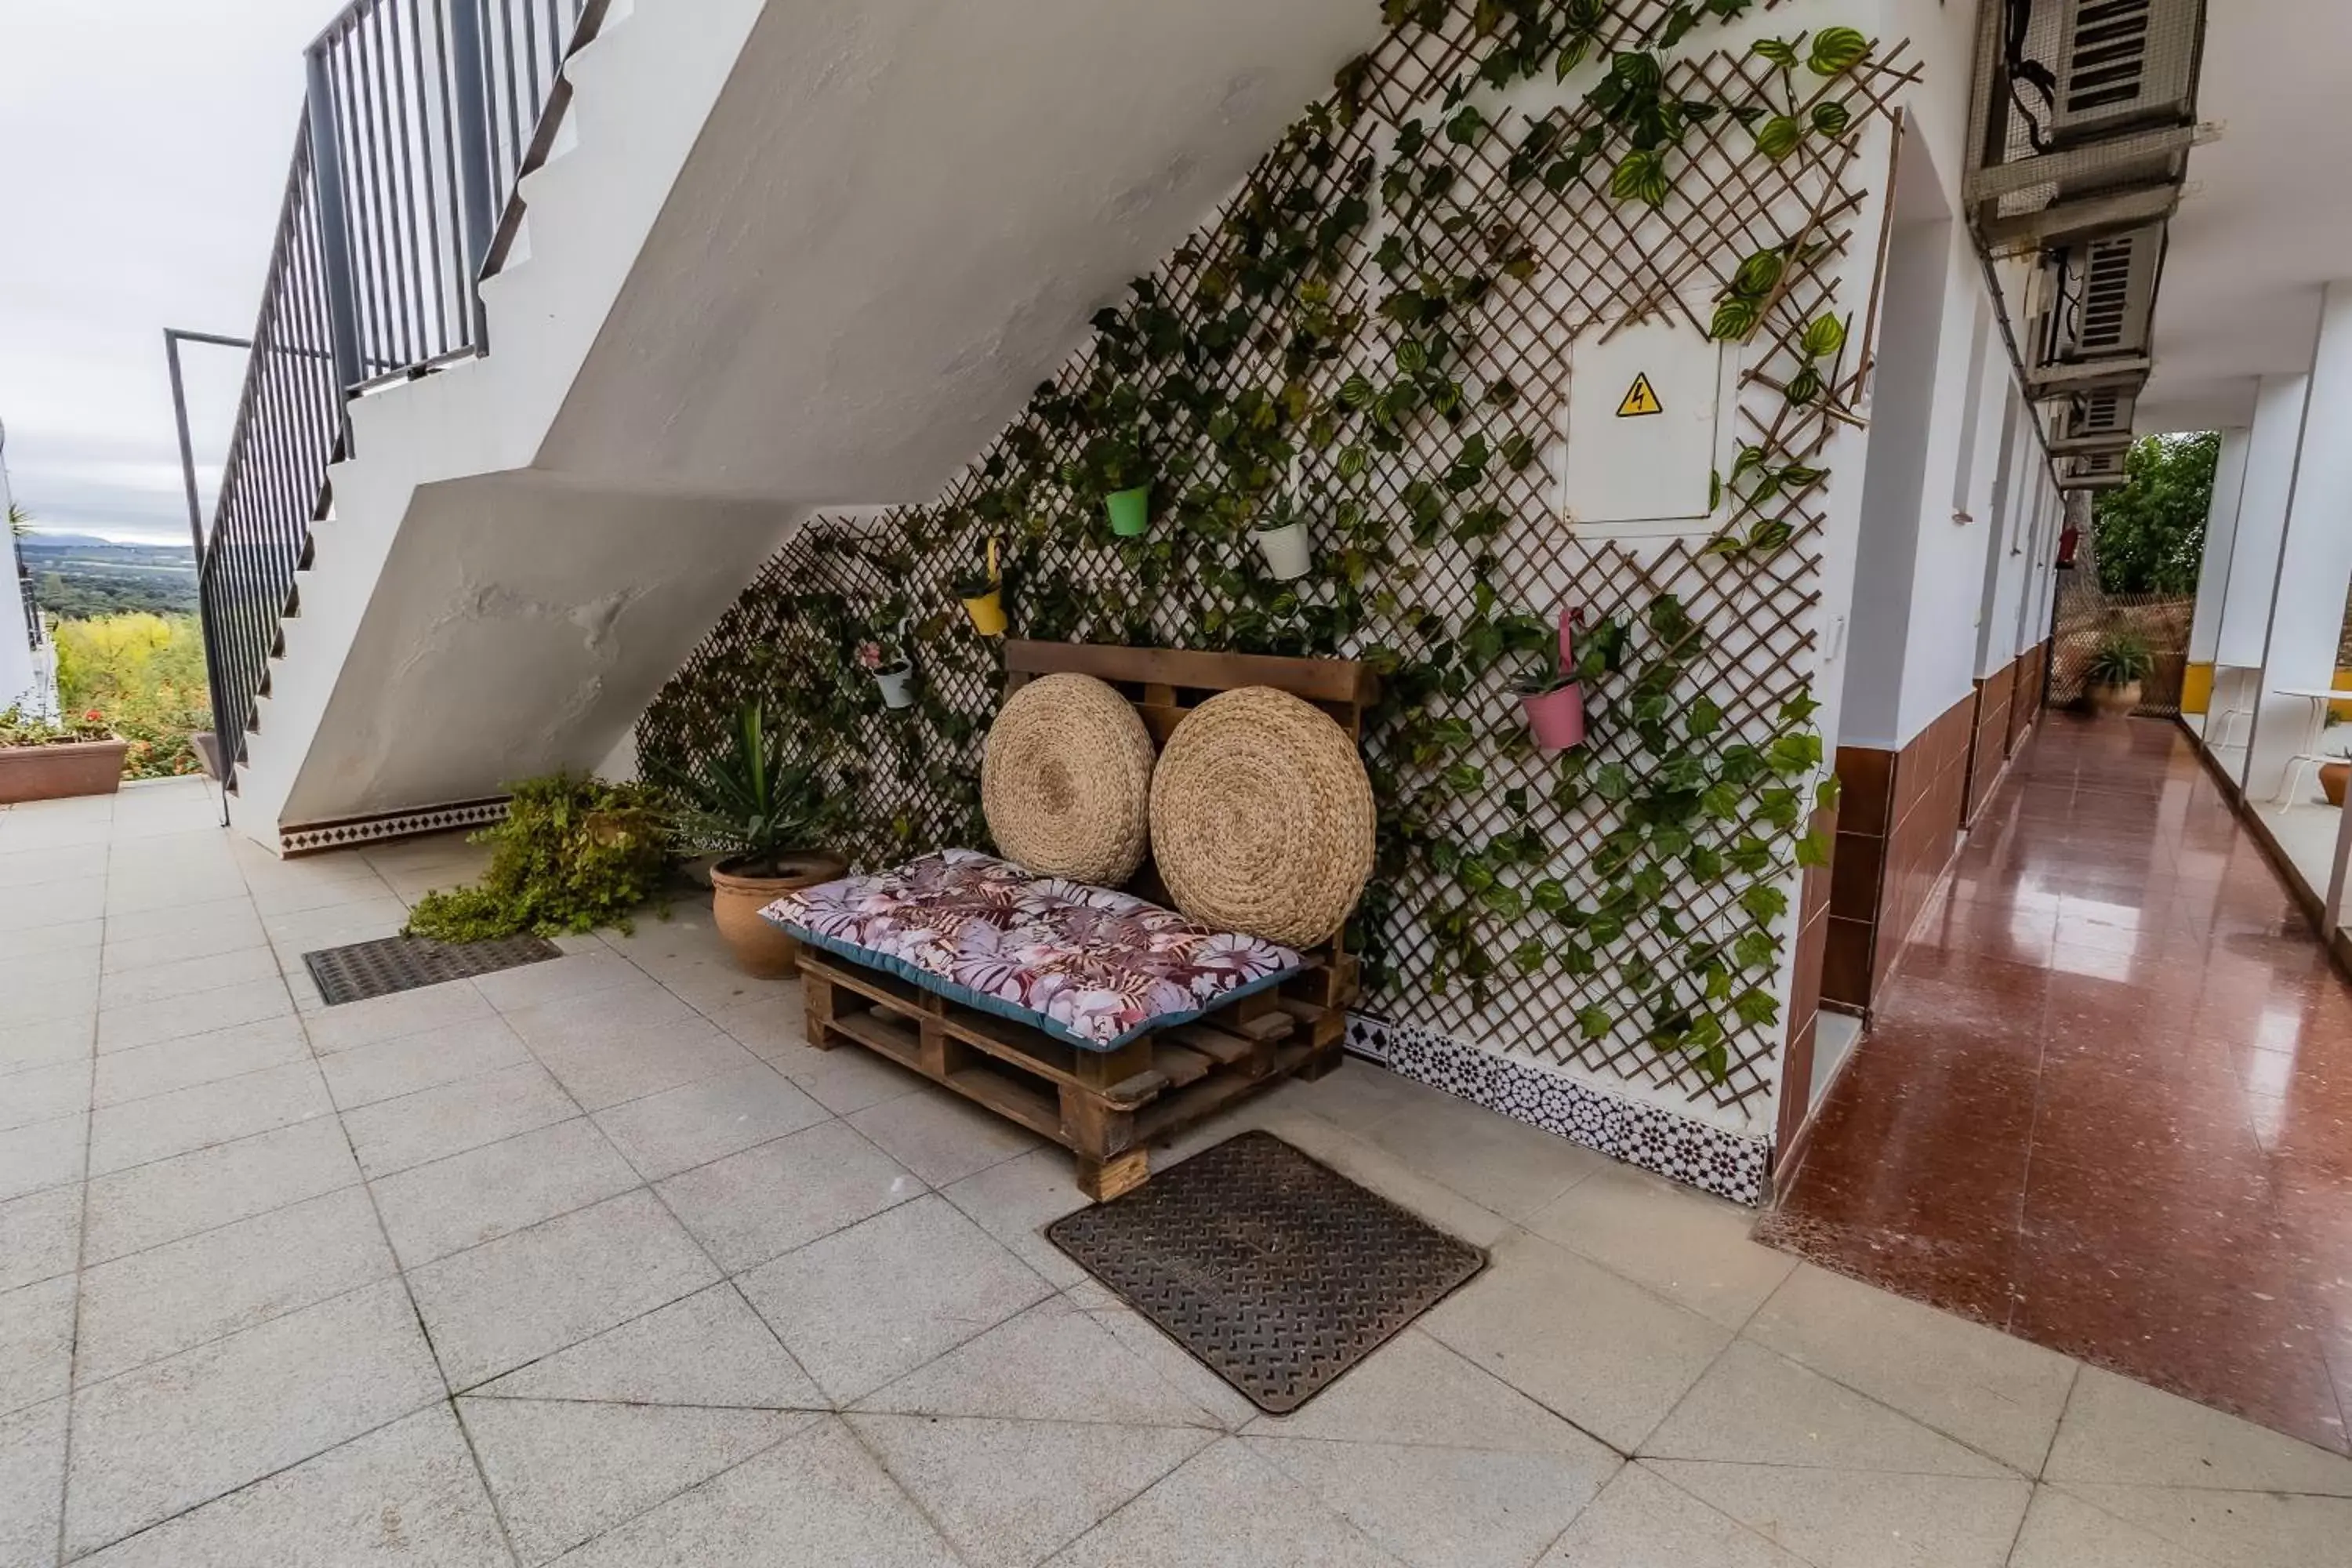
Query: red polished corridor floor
x: 2106, y: 1103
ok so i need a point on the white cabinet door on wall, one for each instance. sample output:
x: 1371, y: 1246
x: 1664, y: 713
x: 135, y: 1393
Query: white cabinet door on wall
x: 1646, y: 431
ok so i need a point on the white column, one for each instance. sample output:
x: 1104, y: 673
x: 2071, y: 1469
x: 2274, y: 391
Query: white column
x: 2270, y: 448
x: 2221, y: 542
x: 2315, y: 566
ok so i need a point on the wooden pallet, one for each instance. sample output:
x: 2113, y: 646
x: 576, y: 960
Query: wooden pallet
x: 1104, y: 1107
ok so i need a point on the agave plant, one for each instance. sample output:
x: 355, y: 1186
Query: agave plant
x: 752, y: 803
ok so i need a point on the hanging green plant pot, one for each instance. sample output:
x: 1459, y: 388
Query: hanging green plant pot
x: 1130, y: 511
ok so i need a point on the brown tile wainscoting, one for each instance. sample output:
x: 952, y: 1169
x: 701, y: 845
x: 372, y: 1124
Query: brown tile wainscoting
x: 1899, y: 823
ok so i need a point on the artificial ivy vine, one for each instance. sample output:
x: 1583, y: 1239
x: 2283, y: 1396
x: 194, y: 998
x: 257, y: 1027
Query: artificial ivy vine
x: 1646, y: 867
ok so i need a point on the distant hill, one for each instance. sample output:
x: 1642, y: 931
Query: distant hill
x: 75, y: 575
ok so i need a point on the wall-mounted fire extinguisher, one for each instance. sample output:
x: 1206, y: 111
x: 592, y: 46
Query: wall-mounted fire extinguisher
x: 2068, y: 538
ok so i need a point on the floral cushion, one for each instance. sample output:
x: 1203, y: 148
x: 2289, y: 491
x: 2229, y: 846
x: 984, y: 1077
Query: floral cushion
x: 1088, y: 965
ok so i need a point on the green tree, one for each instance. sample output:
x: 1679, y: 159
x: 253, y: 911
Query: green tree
x: 2151, y: 532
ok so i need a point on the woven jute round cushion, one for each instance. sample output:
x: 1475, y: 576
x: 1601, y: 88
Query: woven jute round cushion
x: 1066, y: 780
x: 1262, y: 818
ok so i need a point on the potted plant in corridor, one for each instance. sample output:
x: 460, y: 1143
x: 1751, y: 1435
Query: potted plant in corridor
x: 2118, y: 666
x: 765, y: 817
x: 44, y: 758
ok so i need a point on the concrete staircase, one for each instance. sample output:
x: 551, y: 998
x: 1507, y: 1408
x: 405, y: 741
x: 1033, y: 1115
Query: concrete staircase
x: 781, y: 256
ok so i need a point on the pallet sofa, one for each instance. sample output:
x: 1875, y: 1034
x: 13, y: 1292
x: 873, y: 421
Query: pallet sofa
x: 1105, y: 1100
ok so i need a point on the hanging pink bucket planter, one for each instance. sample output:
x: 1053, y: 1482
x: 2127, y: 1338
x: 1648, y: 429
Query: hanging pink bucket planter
x: 1556, y: 717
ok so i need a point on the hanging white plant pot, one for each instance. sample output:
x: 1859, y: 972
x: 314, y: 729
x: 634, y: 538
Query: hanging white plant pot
x: 1289, y: 553
x: 896, y: 684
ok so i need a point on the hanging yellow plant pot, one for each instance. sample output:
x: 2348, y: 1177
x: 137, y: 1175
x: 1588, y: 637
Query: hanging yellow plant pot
x: 983, y: 597
x: 987, y: 612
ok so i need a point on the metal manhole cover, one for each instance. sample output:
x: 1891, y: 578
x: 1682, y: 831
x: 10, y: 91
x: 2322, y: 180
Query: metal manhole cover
x: 366, y: 969
x: 1270, y: 1269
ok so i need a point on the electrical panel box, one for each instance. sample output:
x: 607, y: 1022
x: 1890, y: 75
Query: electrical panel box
x: 1643, y: 435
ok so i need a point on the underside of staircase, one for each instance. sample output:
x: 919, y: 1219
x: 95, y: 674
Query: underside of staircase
x: 772, y: 257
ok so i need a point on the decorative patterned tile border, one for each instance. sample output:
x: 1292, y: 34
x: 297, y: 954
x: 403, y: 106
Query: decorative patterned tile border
x: 309, y: 837
x: 1649, y: 1136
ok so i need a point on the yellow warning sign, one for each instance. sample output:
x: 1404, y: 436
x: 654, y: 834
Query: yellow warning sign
x: 1640, y: 399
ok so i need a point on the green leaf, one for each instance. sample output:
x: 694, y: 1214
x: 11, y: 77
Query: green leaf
x: 1465, y: 778
x: 1412, y: 356
x: 1831, y: 119
x: 1733, y: 318
x: 1813, y: 849
x: 1612, y: 783
x: 1530, y: 956
x: 1758, y: 275
x: 1764, y: 903
x: 1594, y: 1023
x: 1805, y: 387
x: 1837, y: 50
x: 1823, y: 338
x: 1756, y: 1007
x: 1779, y: 136
x: 1702, y: 718
x: 1756, y: 950
x: 1551, y: 896
x: 1358, y: 393
x: 1353, y: 459
x: 1779, y: 51
x: 1713, y: 489
x: 1466, y: 126
x: 1641, y: 175
x: 1504, y: 899
x: 1792, y: 754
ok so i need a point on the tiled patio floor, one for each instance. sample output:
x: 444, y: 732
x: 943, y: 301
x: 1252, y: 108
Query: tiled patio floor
x: 597, y: 1260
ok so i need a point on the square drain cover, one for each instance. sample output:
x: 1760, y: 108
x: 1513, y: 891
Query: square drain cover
x: 366, y: 969
x: 1274, y: 1270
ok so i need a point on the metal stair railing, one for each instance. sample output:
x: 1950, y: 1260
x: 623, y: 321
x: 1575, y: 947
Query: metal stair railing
x: 419, y: 117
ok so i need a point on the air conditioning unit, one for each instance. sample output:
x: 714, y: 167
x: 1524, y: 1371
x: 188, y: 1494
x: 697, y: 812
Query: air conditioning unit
x: 2095, y: 303
x: 2097, y: 471
x: 2125, y: 64
x: 2096, y: 421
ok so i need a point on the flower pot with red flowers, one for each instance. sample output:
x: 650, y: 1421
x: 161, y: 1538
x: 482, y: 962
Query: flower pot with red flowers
x: 50, y: 758
x: 893, y: 671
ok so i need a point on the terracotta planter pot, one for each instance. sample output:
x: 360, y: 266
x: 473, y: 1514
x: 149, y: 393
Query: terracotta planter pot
x: 736, y: 901
x: 53, y: 772
x: 2332, y: 776
x: 2114, y: 701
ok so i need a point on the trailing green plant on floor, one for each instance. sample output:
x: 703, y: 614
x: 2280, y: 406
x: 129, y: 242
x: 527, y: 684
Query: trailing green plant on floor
x: 573, y: 854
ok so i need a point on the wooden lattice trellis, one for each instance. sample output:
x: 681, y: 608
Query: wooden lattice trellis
x: 1593, y: 264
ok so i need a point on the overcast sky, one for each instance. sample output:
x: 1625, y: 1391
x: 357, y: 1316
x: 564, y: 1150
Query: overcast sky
x: 144, y: 146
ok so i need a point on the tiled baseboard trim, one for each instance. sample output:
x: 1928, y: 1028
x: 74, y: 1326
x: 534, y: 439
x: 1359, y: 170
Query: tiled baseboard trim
x: 310, y: 838
x: 1649, y: 1136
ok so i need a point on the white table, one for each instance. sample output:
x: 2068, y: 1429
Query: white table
x: 2319, y: 698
